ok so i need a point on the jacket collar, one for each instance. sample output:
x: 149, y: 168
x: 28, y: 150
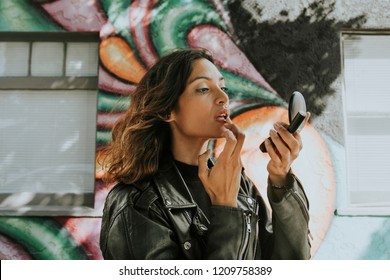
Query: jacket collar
x: 172, y: 187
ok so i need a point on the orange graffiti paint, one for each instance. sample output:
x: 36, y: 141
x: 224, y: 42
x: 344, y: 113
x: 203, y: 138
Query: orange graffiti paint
x: 119, y: 59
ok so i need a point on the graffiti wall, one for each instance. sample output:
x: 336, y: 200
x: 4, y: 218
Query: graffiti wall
x: 262, y: 59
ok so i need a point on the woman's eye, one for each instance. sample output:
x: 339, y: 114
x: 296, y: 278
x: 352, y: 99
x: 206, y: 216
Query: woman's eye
x: 202, y: 90
x: 225, y: 89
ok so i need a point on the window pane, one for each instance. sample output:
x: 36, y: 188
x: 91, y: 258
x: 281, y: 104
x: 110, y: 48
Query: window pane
x: 82, y: 59
x: 367, y: 97
x: 369, y: 163
x: 47, y: 141
x: 47, y: 59
x: 14, y: 59
x: 367, y: 73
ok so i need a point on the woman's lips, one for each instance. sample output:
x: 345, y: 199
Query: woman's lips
x: 222, y: 119
x: 222, y: 116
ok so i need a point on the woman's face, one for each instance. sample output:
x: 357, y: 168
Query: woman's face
x: 202, y: 108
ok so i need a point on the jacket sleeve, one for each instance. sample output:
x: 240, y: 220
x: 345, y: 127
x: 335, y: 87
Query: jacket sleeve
x: 282, y: 236
x: 290, y: 221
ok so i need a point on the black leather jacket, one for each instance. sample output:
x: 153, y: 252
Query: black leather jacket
x: 157, y: 219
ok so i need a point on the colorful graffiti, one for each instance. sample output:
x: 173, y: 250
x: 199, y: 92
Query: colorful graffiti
x: 134, y: 34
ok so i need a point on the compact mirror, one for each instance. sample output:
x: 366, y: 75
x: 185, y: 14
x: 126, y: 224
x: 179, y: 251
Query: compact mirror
x: 296, y: 104
x: 296, y: 115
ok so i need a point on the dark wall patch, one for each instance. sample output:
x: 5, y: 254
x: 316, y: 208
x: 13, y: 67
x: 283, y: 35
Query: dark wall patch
x: 302, y: 55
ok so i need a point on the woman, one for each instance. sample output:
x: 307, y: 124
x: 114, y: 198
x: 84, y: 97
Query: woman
x: 171, y: 201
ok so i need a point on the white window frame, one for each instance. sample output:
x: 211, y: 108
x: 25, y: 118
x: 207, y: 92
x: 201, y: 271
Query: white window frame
x: 346, y: 206
x: 63, y: 82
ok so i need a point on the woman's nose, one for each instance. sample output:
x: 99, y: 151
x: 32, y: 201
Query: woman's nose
x: 223, y: 98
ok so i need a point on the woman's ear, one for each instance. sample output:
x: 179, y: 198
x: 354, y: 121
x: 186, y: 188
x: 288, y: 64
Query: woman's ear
x: 171, y: 117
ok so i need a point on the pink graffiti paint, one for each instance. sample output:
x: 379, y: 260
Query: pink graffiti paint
x: 77, y: 15
x: 107, y: 120
x: 9, y: 250
x: 221, y: 10
x: 225, y: 52
x: 140, y: 12
x: 109, y: 83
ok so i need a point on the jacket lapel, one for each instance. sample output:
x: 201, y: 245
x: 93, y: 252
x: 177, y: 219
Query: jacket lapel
x: 186, y: 217
x: 172, y: 188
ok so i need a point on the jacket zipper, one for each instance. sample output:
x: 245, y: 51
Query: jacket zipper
x: 247, y: 231
x: 187, y: 216
x: 301, y: 204
x: 256, y: 237
x: 305, y: 214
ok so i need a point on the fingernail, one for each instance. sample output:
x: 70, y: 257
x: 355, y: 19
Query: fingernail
x: 278, y: 126
x: 273, y: 132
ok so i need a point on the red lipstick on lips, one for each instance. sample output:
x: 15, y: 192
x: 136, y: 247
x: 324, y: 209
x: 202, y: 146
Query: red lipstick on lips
x: 223, y: 116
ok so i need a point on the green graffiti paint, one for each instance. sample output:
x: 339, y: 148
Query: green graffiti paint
x: 43, y: 238
x: 118, y: 13
x: 112, y: 103
x: 174, y: 18
x: 103, y: 137
x: 241, y: 89
x: 21, y: 15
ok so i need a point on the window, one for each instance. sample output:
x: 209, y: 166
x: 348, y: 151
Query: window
x: 366, y: 63
x: 48, y: 109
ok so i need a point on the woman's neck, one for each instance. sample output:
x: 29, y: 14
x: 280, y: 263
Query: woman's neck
x: 188, y: 151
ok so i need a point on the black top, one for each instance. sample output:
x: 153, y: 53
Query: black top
x: 195, y: 186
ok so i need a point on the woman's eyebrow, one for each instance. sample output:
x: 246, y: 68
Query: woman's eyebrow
x: 204, y: 77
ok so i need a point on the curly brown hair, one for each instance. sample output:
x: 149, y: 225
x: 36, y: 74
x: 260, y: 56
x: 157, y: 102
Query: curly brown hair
x: 142, y: 137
